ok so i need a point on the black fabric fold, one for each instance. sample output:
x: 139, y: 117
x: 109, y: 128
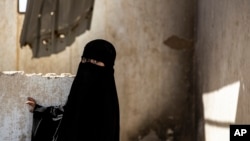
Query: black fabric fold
x: 91, y: 112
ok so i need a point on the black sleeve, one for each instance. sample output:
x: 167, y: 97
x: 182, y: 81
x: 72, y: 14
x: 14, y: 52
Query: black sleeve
x: 45, y: 122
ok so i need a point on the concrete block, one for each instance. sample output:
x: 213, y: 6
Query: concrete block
x: 15, y: 87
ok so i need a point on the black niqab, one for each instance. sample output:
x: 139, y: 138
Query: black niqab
x: 92, y: 109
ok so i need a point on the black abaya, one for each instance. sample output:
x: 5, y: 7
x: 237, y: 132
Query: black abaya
x: 92, y: 110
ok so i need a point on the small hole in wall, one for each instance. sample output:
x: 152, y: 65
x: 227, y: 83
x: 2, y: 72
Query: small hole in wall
x: 21, y: 6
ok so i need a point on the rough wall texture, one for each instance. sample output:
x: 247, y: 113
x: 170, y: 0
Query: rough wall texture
x: 15, y: 87
x: 222, y: 54
x: 153, y: 79
x: 153, y: 72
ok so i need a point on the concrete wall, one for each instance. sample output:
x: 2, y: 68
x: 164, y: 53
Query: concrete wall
x: 16, y: 121
x: 152, y: 78
x: 222, y: 54
x: 153, y: 72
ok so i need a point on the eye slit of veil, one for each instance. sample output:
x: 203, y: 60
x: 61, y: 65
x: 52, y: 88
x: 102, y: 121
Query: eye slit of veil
x: 93, y: 61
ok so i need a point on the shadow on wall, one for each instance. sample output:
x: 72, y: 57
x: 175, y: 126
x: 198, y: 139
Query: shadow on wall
x: 175, y: 120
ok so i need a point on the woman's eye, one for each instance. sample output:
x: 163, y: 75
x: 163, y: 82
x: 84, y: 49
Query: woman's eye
x: 84, y: 60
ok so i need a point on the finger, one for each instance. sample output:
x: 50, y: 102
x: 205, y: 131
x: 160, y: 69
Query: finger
x: 30, y: 99
x: 31, y: 103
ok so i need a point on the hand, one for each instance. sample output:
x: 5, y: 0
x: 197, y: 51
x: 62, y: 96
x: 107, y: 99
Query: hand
x: 32, y: 103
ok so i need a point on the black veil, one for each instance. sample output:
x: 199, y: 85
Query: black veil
x: 92, y: 109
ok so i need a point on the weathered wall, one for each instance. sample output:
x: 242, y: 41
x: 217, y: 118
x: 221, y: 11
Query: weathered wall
x: 222, y: 53
x: 8, y: 35
x: 153, y: 79
x: 15, y: 87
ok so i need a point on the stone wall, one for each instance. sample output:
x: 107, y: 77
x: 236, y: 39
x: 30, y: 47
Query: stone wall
x: 15, y: 87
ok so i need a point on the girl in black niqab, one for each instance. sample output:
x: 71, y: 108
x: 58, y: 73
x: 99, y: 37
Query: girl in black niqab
x: 92, y: 110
